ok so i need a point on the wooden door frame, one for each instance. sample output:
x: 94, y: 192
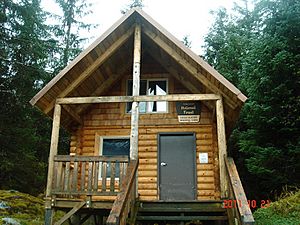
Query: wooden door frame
x: 194, y: 161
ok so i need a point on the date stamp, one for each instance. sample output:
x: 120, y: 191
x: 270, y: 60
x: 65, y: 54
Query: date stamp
x: 253, y: 204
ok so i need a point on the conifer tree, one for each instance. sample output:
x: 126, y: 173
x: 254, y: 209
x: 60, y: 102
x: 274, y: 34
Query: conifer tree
x: 24, y: 54
x: 186, y: 41
x: 258, y: 51
x: 133, y: 4
x: 27, y: 55
x: 70, y: 29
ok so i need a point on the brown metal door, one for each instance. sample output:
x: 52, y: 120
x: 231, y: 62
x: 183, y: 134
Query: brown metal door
x: 177, y: 166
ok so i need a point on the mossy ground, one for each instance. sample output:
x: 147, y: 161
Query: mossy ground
x: 29, y: 210
x: 284, y: 211
x: 24, y: 208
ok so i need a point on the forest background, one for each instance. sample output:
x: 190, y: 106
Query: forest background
x: 256, y: 49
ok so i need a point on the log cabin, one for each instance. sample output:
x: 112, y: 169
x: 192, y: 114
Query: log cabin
x: 148, y: 121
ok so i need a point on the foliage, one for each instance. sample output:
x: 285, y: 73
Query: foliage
x: 288, y: 201
x: 133, y: 4
x: 258, y: 51
x: 68, y: 32
x: 23, y: 57
x: 284, y: 211
x: 186, y: 41
x: 27, y: 47
x: 23, y: 208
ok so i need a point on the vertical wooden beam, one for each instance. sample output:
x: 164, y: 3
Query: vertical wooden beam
x: 134, y: 135
x: 53, y: 152
x: 53, y: 147
x: 222, y: 147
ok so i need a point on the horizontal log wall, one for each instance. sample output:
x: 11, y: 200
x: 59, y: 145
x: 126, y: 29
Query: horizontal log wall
x: 111, y: 120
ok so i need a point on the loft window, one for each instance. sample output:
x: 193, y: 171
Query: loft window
x: 115, y: 147
x: 149, y: 87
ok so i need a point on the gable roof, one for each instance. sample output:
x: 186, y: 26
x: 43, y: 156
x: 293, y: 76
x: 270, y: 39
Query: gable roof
x: 93, y: 71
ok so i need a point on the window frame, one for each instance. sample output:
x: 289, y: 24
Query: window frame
x: 147, y: 87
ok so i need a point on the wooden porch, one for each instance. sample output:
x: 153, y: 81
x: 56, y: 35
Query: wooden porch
x: 104, y: 188
x: 93, y: 182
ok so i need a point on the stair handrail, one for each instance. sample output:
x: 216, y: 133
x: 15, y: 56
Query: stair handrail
x: 242, y: 207
x: 126, y: 198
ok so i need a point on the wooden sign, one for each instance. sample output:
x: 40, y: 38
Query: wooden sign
x: 188, y: 108
x: 188, y: 112
x: 188, y: 119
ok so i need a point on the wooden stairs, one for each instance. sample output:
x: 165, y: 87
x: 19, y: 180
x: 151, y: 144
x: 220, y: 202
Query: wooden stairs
x: 208, y: 212
x: 182, y: 212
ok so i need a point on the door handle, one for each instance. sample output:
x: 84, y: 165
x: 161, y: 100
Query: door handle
x: 163, y: 164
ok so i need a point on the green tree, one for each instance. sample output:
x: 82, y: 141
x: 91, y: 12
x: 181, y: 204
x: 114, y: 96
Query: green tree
x: 271, y: 78
x: 133, y: 4
x: 69, y: 31
x: 227, y: 42
x: 24, y: 55
x: 27, y: 47
x: 186, y: 41
x: 259, y: 52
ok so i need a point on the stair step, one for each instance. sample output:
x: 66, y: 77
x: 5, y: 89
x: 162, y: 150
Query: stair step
x: 182, y: 211
x: 181, y: 207
x: 180, y: 218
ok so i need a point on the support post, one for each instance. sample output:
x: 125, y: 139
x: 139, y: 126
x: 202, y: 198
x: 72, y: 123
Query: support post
x: 222, y: 147
x: 134, y: 135
x: 53, y: 152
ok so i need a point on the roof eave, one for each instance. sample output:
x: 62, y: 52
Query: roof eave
x: 195, y: 57
x: 49, y: 85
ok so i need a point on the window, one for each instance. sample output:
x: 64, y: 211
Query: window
x: 149, y: 87
x: 115, y: 147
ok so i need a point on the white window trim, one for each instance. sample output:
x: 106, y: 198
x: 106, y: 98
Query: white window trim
x: 101, y: 152
x: 147, y: 87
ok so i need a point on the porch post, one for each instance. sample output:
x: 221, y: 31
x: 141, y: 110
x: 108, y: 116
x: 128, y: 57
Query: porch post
x: 134, y: 135
x: 53, y: 152
x: 222, y: 147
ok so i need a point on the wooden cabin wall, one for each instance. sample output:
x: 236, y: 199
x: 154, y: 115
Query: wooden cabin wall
x: 110, y: 119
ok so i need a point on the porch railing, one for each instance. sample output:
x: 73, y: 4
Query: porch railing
x: 239, y: 211
x: 125, y: 201
x: 88, y: 175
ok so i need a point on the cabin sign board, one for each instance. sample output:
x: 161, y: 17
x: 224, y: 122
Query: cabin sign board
x: 188, y: 112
